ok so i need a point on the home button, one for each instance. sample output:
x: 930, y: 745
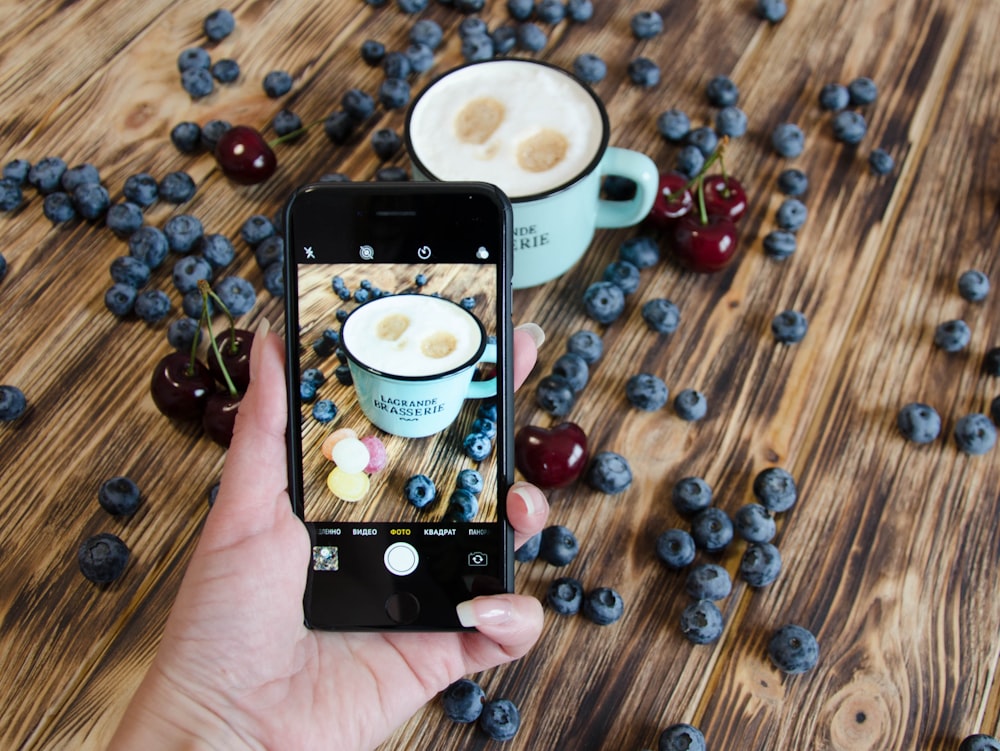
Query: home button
x: 402, y: 608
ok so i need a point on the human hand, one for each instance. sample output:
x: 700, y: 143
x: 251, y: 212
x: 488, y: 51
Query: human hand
x: 237, y: 667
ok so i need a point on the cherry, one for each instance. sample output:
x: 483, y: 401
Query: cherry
x: 551, y: 458
x: 181, y: 386
x: 724, y: 196
x: 673, y: 200
x: 234, y: 348
x: 705, y: 247
x: 244, y: 156
x: 220, y: 417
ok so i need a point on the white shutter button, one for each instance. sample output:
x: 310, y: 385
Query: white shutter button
x: 401, y: 558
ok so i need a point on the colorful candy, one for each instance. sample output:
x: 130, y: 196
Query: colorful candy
x: 348, y: 486
x: 351, y: 455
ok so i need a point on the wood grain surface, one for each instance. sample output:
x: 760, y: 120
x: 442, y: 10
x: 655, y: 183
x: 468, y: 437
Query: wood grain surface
x: 891, y: 553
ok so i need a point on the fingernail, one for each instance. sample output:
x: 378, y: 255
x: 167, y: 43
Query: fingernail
x: 525, y: 494
x: 263, y: 328
x: 483, y: 611
x: 534, y: 331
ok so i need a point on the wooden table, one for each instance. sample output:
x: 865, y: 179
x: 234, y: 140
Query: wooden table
x: 891, y: 553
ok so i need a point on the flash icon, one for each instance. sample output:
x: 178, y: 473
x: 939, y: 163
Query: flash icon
x: 310, y: 254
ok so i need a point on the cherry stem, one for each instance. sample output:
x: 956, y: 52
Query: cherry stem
x: 702, y: 211
x: 292, y: 135
x: 206, y: 292
x: 698, y: 178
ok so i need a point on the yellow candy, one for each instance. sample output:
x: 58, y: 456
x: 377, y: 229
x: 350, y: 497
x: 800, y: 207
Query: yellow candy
x: 348, y: 486
x: 333, y: 439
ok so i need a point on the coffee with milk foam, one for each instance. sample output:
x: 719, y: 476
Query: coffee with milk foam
x: 525, y: 128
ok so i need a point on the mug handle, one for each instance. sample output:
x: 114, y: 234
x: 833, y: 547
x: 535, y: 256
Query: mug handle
x: 484, y: 389
x: 634, y: 166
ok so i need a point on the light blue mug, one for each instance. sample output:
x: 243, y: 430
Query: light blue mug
x: 412, y: 358
x: 541, y: 135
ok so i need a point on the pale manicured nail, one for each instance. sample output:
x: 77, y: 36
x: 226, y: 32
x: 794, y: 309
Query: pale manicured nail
x: 535, y: 332
x: 527, y: 497
x: 483, y: 612
x: 263, y: 328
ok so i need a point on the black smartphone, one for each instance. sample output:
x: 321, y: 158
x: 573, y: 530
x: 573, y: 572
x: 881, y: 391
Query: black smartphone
x: 399, y: 363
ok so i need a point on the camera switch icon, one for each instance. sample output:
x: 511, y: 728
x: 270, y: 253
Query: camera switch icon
x: 478, y: 560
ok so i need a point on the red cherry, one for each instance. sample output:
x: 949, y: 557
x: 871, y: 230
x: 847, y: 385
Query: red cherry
x: 236, y: 358
x: 179, y: 390
x: 220, y: 417
x: 704, y: 247
x: 245, y: 156
x: 725, y: 196
x: 666, y: 211
x: 551, y: 458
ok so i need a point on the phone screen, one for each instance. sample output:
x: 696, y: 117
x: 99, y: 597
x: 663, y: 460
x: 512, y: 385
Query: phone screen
x: 397, y: 308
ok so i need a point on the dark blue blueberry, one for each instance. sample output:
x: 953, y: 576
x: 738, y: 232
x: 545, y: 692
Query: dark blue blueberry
x: 644, y: 72
x: 182, y: 332
x: 427, y: 32
x: 579, y: 11
x: 286, y: 122
x: 520, y: 10
x: 775, y: 488
x: 789, y: 327
x: 217, y: 249
x: 504, y: 38
x: 419, y: 490
x: 722, y: 92
x: 420, y: 280
x: 78, y: 175
x: 862, y: 91
x: 555, y: 395
x: 979, y: 742
x: 646, y: 24
x: 192, y: 304
x: 193, y: 58
x: 646, y: 391
x: 189, y: 271
x: 731, y: 121
x: 834, y: 97
x: 473, y: 26
x: 603, y: 606
x: 256, y: 229
x: 675, y: 548
x: 793, y: 182
x: 91, y: 200
x: 487, y: 409
x: 218, y: 24
x: 339, y: 126
x: 779, y: 244
x: 277, y: 83
x: 102, y: 558
x: 324, y: 411
x: 565, y: 595
x: 342, y: 315
x: 177, y: 187
x: 485, y: 426
x: 590, y: 68
x: 141, y: 189
x: 712, y: 530
x: 385, y: 143
x: 3, y: 267
x: 793, y: 649
x: 661, y: 315
x: 689, y: 160
x: 587, y: 345
x: 531, y: 37
x: 17, y: 170
x: 358, y: 104
x: 558, y: 546
x: 212, y: 132
x: 462, y: 507
x: 361, y: 296
x: 226, y: 70
x: 991, y: 361
x: 327, y: 343
x: 313, y: 375
x: 463, y: 701
x: 477, y: 446
x: 708, y: 581
x: 701, y: 623
x: 550, y: 11
x: 624, y: 275
x: 186, y: 136
x: 574, y: 369
x: 754, y: 523
x: 691, y: 495
x: 471, y: 480
x: 149, y: 245
x: 120, y: 298
x: 500, y: 719
x: 372, y: 52
x: 130, y: 270
x: 183, y: 232
x: 197, y: 82
x: 681, y: 737
x: 270, y: 250
x: 11, y: 194
x: 760, y: 564
x: 529, y: 551
x: 478, y: 47
x: 975, y: 434
x: 880, y: 162
x: 12, y: 403
x: 45, y: 176
x: 307, y: 391
x: 411, y: 6
x: 396, y: 65
x: 674, y: 125
x: 119, y: 496
x: 772, y: 10
x: 919, y: 423
x: 237, y: 294
x: 394, y: 93
x: 466, y: 6
x: 952, y: 336
x: 57, y: 207
x: 468, y: 303
x: 152, y: 305
x: 392, y: 174
x: 124, y: 218
x: 788, y: 140
x: 604, y: 302
x: 792, y: 214
x: 609, y: 472
x: 690, y: 405
x: 973, y: 285
x: 849, y: 127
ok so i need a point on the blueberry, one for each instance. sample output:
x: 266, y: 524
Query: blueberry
x: 462, y: 507
x: 689, y: 160
x: 218, y: 24
x: 57, y: 207
x: 463, y: 701
x: 217, y: 249
x: 834, y: 97
x: 731, y: 121
x: 339, y: 126
x: 189, y: 271
x: 420, y: 280
x: 520, y: 10
x: 880, y: 162
x: 392, y: 174
x: 226, y: 70
x: 130, y: 270
x: 237, y: 294
x: 141, y: 189
x: 973, y: 285
x: 609, y: 473
x: 708, y: 581
x: 722, y: 92
x: 91, y: 200
x: 779, y: 244
x: 788, y: 140
x: 307, y: 391
x: 182, y: 332
x: 12, y: 403
x: 324, y: 411
x: 183, y: 231
x: 979, y: 742
x: 565, y: 595
x: 772, y: 11
x: 124, y: 218
x: 372, y: 52
x: 642, y: 252
x: 149, y: 245
x: 775, y: 488
x: 500, y: 720
x: 11, y: 194
x: 674, y: 125
x: 256, y: 229
x: 646, y: 24
x: 604, y: 302
x: 487, y: 409
x: 918, y: 422
x: 470, y: 480
x: 192, y: 304
x: 760, y: 564
x: 17, y: 170
x: 411, y: 6
x: 579, y: 11
x: 550, y: 11
x: 754, y: 523
x: 991, y: 361
x: 385, y: 142
x: 419, y: 490
x: 177, y: 187
x: 197, y: 82
x: 586, y: 345
x: 394, y: 93
x: 485, y: 426
x: 793, y: 649
x: 704, y: 138
x: 119, y: 496
x: 603, y: 606
x: 328, y: 342
x: 701, y: 623
x: 691, y: 495
x: 45, y: 176
x: 531, y: 37
x: 152, y: 305
x: 211, y: 133
x: 681, y: 737
x: 396, y: 65
x: 793, y: 182
x: 120, y: 298
x: 849, y: 127
x: 358, y: 104
x: 789, y: 327
x: 473, y: 26
x: 862, y: 91
x: 277, y: 83
x: 675, y: 548
x: 690, y: 405
x: 644, y: 72
x: 427, y: 32
x: 590, y: 67
x: 529, y: 550
x: 186, y: 136
x: 712, y: 530
x: 661, y: 315
x: 468, y: 303
x: 646, y: 391
x: 3, y: 267
x: 558, y: 545
x: 79, y: 175
x: 504, y: 38
x: 975, y: 434
x: 271, y: 250
x: 952, y: 336
x: 477, y: 446
x: 624, y: 275
x: 193, y: 58
x: 574, y: 369
x: 102, y: 558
